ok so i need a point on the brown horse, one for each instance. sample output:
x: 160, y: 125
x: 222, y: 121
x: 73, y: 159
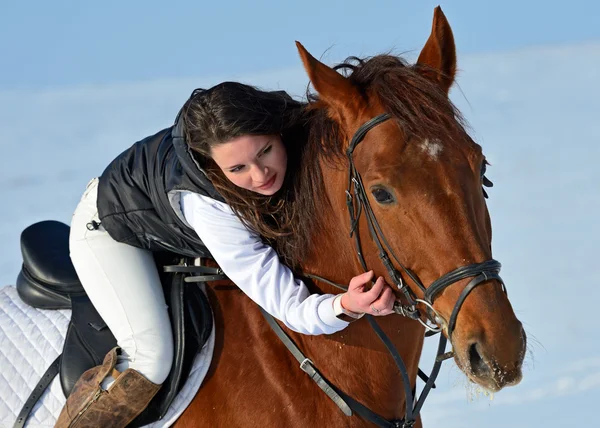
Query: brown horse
x: 423, y: 177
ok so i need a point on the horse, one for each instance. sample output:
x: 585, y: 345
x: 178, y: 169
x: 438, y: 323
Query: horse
x: 389, y: 169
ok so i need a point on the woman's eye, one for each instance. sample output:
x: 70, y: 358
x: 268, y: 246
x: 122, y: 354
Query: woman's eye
x: 267, y: 150
x: 237, y: 168
x: 382, y: 196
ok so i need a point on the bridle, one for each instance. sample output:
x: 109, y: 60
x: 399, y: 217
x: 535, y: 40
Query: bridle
x: 357, y: 202
x: 481, y: 272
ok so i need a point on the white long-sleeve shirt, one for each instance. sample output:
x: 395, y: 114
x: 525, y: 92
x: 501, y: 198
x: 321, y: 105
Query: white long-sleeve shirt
x: 256, y: 269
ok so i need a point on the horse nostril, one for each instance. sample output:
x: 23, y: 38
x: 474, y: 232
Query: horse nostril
x: 478, y: 366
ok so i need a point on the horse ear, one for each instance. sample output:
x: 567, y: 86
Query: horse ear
x: 437, y: 60
x: 334, y: 90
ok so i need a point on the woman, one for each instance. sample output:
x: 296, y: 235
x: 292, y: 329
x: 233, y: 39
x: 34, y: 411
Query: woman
x: 220, y: 184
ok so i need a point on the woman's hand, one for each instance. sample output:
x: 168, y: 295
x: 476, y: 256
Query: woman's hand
x: 379, y: 300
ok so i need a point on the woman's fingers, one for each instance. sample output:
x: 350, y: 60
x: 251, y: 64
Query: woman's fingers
x: 384, y: 305
x: 372, y: 295
x: 360, y: 280
x: 379, y: 300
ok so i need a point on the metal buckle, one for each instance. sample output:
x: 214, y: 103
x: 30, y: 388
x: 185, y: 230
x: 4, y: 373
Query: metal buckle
x: 406, y: 311
x: 305, y: 362
x: 399, y: 283
x: 401, y: 423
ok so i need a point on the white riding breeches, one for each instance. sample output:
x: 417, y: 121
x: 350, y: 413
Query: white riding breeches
x: 123, y: 284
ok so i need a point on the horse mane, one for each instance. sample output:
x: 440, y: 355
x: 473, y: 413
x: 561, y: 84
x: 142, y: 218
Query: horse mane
x: 417, y: 104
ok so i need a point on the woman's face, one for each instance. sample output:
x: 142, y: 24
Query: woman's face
x: 253, y: 162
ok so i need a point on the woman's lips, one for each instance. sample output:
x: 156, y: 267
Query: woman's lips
x: 268, y: 183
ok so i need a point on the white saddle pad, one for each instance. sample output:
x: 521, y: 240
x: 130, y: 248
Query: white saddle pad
x: 31, y: 339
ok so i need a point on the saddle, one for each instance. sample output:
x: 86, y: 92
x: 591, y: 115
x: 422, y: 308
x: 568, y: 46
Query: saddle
x: 48, y: 281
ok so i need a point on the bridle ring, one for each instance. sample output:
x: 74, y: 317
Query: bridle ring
x: 437, y: 317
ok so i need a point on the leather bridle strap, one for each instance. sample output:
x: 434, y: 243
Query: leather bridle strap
x: 490, y: 266
x: 479, y: 279
x: 411, y: 412
x: 355, y: 183
x: 482, y: 272
x: 364, y: 128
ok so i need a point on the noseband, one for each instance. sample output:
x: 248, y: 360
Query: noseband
x: 481, y: 272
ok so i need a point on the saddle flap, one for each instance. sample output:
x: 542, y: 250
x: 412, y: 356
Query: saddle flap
x: 45, y: 250
x: 88, y: 341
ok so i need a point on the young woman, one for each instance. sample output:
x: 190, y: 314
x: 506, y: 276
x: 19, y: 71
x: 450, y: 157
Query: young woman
x: 217, y: 184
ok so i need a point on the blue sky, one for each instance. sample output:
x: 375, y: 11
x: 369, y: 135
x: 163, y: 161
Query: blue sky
x: 61, y: 43
x: 75, y: 91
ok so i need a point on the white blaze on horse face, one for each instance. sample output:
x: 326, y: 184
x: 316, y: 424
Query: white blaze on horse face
x: 432, y: 147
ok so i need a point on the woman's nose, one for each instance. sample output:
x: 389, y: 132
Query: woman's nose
x: 260, y: 173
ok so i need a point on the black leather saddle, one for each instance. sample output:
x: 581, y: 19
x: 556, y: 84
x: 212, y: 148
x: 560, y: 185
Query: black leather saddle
x: 48, y: 281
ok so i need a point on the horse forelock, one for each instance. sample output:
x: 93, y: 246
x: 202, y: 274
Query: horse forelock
x: 419, y: 106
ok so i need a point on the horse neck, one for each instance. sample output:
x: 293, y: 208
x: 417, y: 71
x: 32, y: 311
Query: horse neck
x: 332, y: 254
x: 355, y: 359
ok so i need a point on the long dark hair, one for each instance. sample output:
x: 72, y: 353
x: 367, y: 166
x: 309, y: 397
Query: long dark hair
x: 288, y: 219
x: 217, y: 115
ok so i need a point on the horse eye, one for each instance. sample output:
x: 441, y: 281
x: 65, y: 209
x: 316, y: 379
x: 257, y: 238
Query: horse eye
x: 382, y: 196
x: 483, y: 168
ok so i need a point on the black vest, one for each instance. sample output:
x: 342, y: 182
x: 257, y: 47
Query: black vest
x: 138, y: 201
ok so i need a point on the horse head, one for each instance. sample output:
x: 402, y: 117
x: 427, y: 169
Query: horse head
x: 421, y: 176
